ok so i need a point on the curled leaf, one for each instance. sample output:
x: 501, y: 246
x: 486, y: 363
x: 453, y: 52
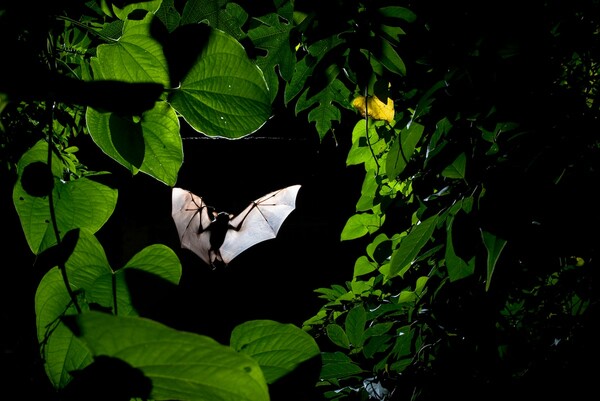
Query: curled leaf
x: 375, y: 108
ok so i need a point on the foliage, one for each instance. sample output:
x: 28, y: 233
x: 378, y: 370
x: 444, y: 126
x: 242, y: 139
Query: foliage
x: 475, y: 272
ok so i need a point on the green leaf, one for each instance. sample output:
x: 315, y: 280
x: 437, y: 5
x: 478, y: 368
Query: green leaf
x: 378, y: 329
x: 457, y: 168
x: 411, y: 245
x: 457, y: 267
x: 61, y: 352
x: 337, y: 335
x: 324, y: 112
x: 224, y: 94
x: 158, y: 260
x: 220, y: 14
x: 494, y: 246
x: 338, y: 366
x: 148, y: 5
x: 81, y: 203
x: 376, y: 344
x: 278, y: 348
x: 402, y: 149
x: 273, y: 36
x: 136, y: 57
x: 306, y: 66
x: 151, y: 144
x: 359, y: 225
x: 355, y: 326
x: 363, y: 266
x: 396, y: 12
x: 388, y: 57
x: 182, y: 365
x: 364, y: 148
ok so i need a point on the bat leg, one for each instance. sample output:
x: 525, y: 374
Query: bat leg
x: 216, y: 260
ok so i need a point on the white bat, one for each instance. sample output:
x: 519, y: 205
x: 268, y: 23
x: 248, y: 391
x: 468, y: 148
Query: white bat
x: 218, y: 237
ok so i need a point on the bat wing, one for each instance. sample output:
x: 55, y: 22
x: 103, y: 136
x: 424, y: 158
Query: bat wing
x: 259, y: 222
x: 191, y: 217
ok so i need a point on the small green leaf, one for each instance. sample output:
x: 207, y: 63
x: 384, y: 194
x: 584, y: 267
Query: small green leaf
x: 363, y: 266
x: 336, y: 334
x: 396, y: 12
x: 378, y: 329
x: 278, y: 348
x: 338, y: 366
x: 411, y: 245
x: 388, y: 57
x: 402, y: 149
x: 148, y: 5
x: 220, y: 14
x: 355, y: 326
x: 457, y: 267
x: 361, y: 224
x: 182, y: 365
x: 494, y: 246
x: 457, y: 168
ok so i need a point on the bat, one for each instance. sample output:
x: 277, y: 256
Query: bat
x: 218, y: 237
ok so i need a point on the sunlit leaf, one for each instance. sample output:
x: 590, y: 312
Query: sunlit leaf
x: 151, y: 144
x: 81, y: 203
x: 402, y: 149
x: 359, y: 225
x: 272, y: 34
x: 411, y: 245
x: 181, y: 366
x: 278, y: 348
x: 61, y: 352
x: 375, y: 108
x: 224, y: 94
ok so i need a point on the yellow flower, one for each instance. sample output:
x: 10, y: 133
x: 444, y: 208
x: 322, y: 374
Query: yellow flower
x: 375, y: 107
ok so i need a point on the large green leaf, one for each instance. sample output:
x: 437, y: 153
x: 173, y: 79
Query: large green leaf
x: 278, y: 348
x: 61, y: 352
x: 151, y: 144
x: 224, y: 94
x: 81, y: 203
x: 136, y: 57
x: 181, y: 366
x: 91, y: 278
x: 157, y: 260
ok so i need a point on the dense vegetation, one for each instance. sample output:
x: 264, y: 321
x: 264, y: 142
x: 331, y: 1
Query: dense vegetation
x: 474, y: 128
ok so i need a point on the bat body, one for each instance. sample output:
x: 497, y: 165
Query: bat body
x: 218, y: 237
